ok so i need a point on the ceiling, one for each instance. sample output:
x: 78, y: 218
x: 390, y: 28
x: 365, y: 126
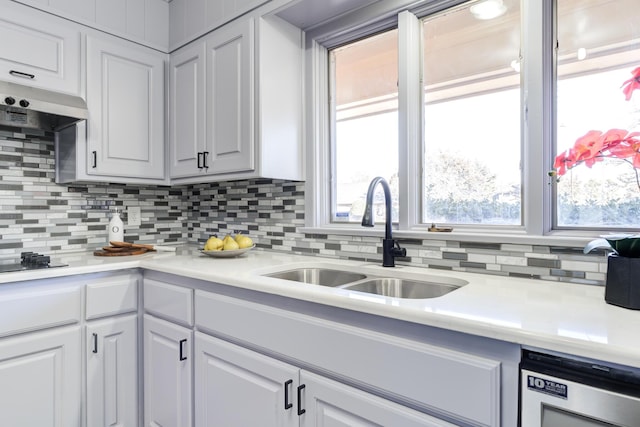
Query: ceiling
x: 309, y: 13
x: 462, y: 50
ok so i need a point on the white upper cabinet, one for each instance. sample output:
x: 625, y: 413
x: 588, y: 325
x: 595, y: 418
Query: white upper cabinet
x: 38, y: 49
x: 142, y: 21
x: 187, y: 111
x: 252, y: 119
x: 190, y: 19
x: 125, y: 96
x: 230, y: 98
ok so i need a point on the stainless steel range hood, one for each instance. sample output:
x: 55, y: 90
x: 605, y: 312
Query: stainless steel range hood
x: 33, y: 108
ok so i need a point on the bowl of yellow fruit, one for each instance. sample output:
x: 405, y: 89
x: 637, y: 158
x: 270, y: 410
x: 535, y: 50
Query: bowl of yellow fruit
x: 228, y: 247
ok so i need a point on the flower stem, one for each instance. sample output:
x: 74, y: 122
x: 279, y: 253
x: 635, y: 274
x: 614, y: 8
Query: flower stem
x: 634, y: 170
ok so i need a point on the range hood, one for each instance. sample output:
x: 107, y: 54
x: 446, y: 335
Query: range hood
x: 33, y: 108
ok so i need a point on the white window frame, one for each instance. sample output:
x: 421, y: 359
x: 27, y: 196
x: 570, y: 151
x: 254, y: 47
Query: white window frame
x: 537, y: 118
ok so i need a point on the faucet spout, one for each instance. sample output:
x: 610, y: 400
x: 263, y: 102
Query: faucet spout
x: 368, y: 219
x: 390, y: 248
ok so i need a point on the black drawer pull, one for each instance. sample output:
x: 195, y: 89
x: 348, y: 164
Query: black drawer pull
x: 300, y: 410
x: 94, y: 155
x: 182, y: 355
x: 95, y: 343
x: 200, y: 156
x: 287, y: 404
x: 21, y: 74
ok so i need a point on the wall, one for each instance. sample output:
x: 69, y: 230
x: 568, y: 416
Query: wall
x: 38, y: 215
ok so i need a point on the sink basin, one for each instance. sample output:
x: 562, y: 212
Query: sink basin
x: 318, y: 276
x: 423, y: 287
x: 402, y: 288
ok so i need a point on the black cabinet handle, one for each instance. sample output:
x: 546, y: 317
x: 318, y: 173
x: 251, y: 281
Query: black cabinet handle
x: 94, y: 155
x: 300, y: 410
x: 287, y: 404
x: 205, y: 154
x: 200, y: 157
x: 182, y: 355
x: 95, y: 343
x: 21, y: 74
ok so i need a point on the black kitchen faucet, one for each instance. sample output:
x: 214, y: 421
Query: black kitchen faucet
x: 390, y: 248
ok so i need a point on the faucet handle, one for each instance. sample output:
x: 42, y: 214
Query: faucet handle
x: 397, y: 251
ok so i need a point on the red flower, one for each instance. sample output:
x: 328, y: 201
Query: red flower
x: 632, y: 84
x: 594, y: 146
x: 589, y: 145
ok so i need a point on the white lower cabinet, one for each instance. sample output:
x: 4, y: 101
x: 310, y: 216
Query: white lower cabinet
x: 45, y: 363
x: 168, y: 373
x: 111, y: 351
x: 238, y: 387
x: 330, y: 403
x: 235, y: 386
x: 259, y: 361
x: 112, y: 372
x: 41, y: 379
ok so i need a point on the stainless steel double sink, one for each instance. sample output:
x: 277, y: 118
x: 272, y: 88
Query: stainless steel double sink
x: 412, y: 288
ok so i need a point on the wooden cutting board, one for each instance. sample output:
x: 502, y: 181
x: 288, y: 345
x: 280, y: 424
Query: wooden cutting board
x: 118, y: 245
x: 109, y: 251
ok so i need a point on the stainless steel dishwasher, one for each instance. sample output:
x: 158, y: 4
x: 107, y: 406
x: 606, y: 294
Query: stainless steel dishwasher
x: 558, y: 391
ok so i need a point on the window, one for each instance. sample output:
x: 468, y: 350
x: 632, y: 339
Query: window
x: 599, y: 47
x: 366, y: 123
x: 472, y: 117
x: 498, y: 105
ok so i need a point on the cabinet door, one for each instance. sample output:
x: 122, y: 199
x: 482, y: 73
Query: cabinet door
x: 187, y: 111
x: 125, y: 95
x: 167, y: 374
x: 40, y: 377
x: 39, y: 50
x: 112, y: 372
x: 329, y: 403
x: 238, y: 387
x: 230, y: 98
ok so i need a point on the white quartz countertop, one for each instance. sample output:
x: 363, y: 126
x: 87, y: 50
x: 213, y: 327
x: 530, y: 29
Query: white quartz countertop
x: 562, y: 317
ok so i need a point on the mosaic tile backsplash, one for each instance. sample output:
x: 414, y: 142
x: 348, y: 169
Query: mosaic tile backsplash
x: 36, y: 214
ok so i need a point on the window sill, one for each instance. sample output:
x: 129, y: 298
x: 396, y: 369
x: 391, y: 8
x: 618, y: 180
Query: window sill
x: 569, y: 239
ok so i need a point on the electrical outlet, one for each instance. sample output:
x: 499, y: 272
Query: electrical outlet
x: 133, y: 215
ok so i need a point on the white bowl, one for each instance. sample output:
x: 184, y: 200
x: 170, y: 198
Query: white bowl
x: 227, y: 254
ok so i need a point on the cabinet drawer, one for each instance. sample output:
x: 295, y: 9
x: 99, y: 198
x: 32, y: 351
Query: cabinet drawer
x: 33, y: 308
x: 168, y: 301
x: 111, y: 296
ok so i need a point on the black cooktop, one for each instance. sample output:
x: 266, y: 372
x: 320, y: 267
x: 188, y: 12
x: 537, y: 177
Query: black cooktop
x: 30, y: 261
